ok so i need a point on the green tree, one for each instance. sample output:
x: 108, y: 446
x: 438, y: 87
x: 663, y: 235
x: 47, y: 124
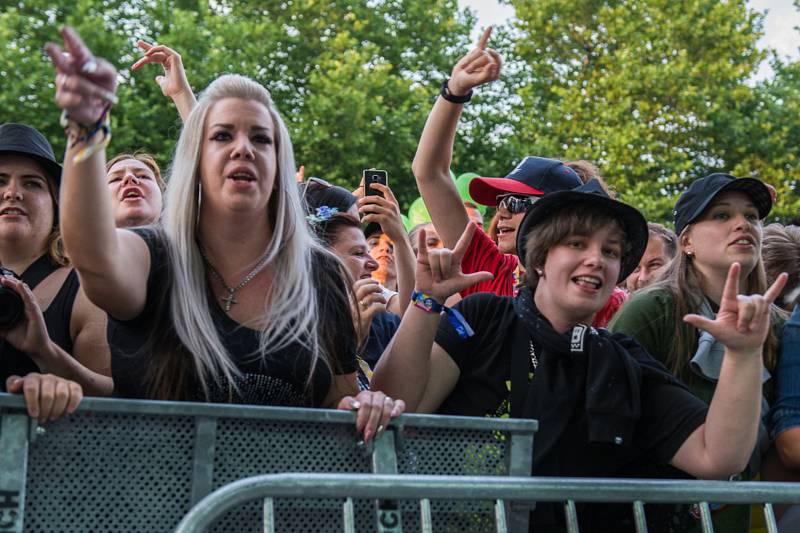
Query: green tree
x: 635, y: 86
x: 353, y: 78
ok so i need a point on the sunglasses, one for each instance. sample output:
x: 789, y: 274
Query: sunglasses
x: 314, y: 182
x: 515, y: 203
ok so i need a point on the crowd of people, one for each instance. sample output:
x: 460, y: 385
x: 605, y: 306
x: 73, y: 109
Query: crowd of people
x: 642, y: 351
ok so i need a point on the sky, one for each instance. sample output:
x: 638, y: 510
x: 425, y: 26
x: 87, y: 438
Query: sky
x: 779, y: 26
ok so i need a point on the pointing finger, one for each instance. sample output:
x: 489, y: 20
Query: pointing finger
x: 775, y: 289
x: 485, y: 38
x: 463, y: 242
x: 144, y: 45
x: 699, y: 322
x: 731, y: 290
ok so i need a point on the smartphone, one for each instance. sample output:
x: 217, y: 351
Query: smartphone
x: 374, y: 176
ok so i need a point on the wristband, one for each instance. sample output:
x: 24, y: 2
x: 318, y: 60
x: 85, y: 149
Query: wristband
x: 453, y: 98
x: 82, y: 133
x: 427, y: 303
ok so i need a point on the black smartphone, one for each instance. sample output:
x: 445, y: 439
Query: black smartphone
x: 374, y: 176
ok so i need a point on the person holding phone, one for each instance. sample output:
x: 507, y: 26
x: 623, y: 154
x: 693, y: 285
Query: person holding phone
x: 387, y: 240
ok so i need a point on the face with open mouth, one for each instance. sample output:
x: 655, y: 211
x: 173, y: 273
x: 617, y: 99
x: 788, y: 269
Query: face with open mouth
x: 578, y: 276
x: 26, y: 203
x: 728, y: 231
x: 238, y: 161
x: 507, y: 224
x: 135, y: 194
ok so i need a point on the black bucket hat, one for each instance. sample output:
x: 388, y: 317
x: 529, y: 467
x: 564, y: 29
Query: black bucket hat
x: 631, y: 220
x: 22, y: 139
x: 701, y: 192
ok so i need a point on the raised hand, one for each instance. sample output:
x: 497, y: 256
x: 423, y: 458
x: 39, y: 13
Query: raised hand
x: 480, y: 66
x: 742, y: 322
x: 384, y: 210
x: 173, y: 83
x: 30, y: 334
x: 85, y: 84
x: 439, y: 271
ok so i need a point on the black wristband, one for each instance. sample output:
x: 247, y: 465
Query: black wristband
x: 454, y: 98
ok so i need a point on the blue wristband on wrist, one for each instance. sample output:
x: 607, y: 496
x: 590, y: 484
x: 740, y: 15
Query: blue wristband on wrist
x: 427, y: 303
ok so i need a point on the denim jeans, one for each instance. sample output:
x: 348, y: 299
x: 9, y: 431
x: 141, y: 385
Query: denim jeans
x: 785, y: 413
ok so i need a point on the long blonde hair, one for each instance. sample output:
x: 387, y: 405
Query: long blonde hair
x: 290, y: 306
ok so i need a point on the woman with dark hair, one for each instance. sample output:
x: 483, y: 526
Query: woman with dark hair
x: 229, y: 299
x: 59, y: 332
x: 604, y: 406
x: 336, y: 227
x: 136, y: 187
x: 718, y: 220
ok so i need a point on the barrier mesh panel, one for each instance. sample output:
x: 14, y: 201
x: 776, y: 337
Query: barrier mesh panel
x: 246, y: 447
x: 110, y: 472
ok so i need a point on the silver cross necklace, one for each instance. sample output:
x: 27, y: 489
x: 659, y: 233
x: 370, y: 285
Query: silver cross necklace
x: 230, y: 299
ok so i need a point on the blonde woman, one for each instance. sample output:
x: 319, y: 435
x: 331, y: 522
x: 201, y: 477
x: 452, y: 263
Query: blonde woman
x: 232, y: 300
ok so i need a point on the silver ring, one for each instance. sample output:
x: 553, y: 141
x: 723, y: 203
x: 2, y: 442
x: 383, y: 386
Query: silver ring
x: 90, y: 67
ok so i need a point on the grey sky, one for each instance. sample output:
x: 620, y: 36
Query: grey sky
x: 779, y: 27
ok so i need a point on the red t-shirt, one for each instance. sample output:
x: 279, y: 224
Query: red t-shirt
x: 483, y: 255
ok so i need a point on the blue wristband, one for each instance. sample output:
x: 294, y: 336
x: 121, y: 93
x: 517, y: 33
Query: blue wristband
x: 427, y: 303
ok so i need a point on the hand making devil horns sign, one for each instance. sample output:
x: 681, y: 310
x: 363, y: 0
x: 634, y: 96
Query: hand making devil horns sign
x: 742, y: 322
x: 439, y: 271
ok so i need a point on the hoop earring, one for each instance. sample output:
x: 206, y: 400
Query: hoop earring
x: 199, y: 205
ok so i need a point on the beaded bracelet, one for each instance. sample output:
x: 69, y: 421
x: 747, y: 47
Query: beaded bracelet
x: 428, y: 303
x: 82, y: 133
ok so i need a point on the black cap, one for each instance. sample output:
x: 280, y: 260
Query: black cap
x: 24, y: 140
x: 633, y: 223
x: 701, y: 192
x: 534, y: 176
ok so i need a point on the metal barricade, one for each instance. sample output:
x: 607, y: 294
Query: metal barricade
x: 139, y: 465
x: 497, y: 490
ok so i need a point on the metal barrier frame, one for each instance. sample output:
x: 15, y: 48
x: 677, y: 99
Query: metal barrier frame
x: 18, y: 432
x: 500, y: 489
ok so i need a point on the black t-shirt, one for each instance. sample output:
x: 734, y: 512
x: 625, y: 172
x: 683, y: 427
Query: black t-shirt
x: 279, y: 377
x: 381, y: 330
x: 669, y: 412
x: 57, y: 318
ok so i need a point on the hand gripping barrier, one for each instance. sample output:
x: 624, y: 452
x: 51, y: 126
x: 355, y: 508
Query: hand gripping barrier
x: 497, y: 489
x: 123, y: 465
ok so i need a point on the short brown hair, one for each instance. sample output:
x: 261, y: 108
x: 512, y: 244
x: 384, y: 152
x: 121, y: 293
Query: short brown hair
x: 145, y: 158
x: 562, y: 224
x: 780, y: 251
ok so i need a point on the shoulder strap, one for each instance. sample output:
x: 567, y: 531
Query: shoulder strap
x: 37, y: 271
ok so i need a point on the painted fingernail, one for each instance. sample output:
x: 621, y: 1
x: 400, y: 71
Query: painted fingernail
x: 380, y: 429
x: 367, y: 435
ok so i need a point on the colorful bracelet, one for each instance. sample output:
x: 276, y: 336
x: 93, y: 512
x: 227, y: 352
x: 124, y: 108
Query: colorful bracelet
x: 428, y: 303
x: 82, y: 133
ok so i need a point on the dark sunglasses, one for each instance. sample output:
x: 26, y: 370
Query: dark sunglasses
x: 515, y: 203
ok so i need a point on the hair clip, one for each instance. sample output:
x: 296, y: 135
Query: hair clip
x: 323, y: 214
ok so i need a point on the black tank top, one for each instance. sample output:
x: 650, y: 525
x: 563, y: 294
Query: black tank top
x: 57, y: 318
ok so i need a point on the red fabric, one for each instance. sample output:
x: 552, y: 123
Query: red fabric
x: 483, y: 255
x: 615, y: 301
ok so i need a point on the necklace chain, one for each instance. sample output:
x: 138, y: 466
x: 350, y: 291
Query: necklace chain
x: 534, y: 359
x: 229, y: 300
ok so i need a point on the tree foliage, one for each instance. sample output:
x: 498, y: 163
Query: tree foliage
x: 655, y: 92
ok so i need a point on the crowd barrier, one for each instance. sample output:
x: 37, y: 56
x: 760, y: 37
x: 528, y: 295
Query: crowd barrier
x: 123, y: 465
x: 500, y: 491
